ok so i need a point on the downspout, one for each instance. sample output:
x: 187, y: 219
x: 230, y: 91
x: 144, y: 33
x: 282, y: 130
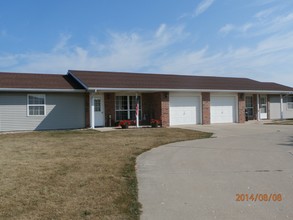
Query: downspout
x: 92, y: 109
x: 92, y: 116
x: 281, y: 107
x: 137, y: 110
x: 258, y: 112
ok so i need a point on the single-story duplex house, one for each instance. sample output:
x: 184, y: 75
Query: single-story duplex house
x: 83, y: 99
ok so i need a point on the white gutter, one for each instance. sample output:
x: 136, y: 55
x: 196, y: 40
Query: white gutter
x: 190, y: 90
x: 40, y: 90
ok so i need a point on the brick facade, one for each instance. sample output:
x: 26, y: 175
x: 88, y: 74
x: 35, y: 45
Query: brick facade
x: 147, y: 107
x: 157, y: 110
x: 156, y: 106
x: 151, y: 106
x: 206, y: 108
x: 109, y: 109
x: 241, y: 108
x: 165, y: 110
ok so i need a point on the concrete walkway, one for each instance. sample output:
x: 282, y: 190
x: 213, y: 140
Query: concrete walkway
x: 201, y: 179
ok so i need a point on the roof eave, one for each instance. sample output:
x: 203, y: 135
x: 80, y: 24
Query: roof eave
x: 95, y: 89
x: 77, y: 79
x: 41, y: 90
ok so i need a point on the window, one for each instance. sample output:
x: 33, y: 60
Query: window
x: 125, y: 107
x: 36, y: 105
x: 97, y: 105
x: 290, y: 102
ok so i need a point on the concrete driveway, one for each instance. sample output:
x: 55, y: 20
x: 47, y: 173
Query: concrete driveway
x: 201, y: 179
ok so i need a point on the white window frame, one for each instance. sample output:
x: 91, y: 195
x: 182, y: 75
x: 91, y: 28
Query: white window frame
x: 128, y: 110
x: 290, y: 104
x: 36, y: 105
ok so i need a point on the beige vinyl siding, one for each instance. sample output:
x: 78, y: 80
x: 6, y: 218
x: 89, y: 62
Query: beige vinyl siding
x: 63, y: 111
x: 275, y: 108
x: 288, y: 112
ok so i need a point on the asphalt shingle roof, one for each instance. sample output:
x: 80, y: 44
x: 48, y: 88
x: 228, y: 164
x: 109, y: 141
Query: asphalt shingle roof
x: 121, y: 80
x: 37, y: 81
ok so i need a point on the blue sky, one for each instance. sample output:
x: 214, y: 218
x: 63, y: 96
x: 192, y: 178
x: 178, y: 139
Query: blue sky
x: 233, y: 38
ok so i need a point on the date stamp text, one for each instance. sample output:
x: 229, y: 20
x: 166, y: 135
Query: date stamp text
x: 258, y: 197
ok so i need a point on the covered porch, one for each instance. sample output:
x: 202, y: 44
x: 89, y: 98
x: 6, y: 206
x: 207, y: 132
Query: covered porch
x: 106, y: 109
x: 259, y: 107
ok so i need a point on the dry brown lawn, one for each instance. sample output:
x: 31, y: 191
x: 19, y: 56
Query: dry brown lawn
x: 82, y: 174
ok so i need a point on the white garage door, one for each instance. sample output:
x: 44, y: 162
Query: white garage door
x: 223, y: 109
x: 184, y: 109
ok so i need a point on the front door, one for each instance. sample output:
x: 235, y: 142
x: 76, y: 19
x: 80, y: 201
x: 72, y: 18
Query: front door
x: 249, y: 107
x: 263, y: 107
x: 99, y: 111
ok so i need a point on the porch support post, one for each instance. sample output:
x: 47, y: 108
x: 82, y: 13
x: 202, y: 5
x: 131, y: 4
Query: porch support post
x: 258, y: 110
x: 92, y: 111
x: 137, y: 110
x: 281, y: 107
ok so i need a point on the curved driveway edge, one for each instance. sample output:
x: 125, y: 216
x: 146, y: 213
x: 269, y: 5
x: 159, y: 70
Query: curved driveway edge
x: 200, y: 179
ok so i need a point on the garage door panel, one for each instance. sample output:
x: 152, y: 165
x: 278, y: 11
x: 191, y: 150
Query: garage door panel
x: 184, y: 110
x: 223, y: 109
x: 183, y: 101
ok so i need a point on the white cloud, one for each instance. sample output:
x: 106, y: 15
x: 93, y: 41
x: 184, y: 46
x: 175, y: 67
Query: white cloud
x: 161, y: 30
x: 8, y: 60
x: 270, y: 60
x: 271, y: 25
x: 203, y: 6
x: 262, y: 23
x: 246, y: 27
x: 123, y: 51
x: 264, y: 13
x: 262, y: 2
x: 227, y: 28
x: 61, y: 45
x: 284, y: 19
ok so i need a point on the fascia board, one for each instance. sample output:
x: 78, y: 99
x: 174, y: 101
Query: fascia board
x: 189, y: 90
x: 40, y: 90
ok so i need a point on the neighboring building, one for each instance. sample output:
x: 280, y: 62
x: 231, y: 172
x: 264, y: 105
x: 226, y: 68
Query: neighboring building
x: 90, y: 99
